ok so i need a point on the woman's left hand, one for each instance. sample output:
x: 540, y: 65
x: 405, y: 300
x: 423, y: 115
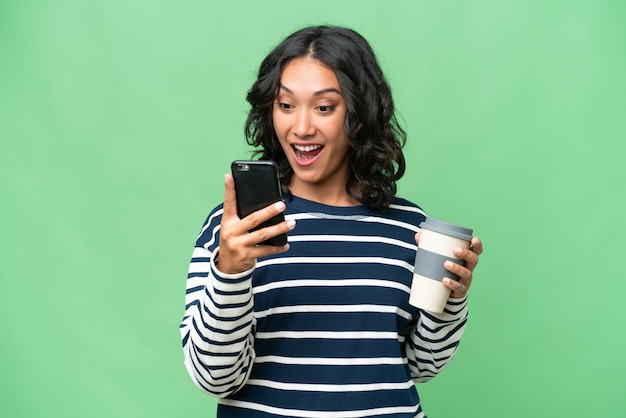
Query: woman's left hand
x: 461, y: 286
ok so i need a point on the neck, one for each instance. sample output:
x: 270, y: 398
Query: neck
x: 331, y: 196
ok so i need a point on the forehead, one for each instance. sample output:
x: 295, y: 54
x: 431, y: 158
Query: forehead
x: 308, y: 74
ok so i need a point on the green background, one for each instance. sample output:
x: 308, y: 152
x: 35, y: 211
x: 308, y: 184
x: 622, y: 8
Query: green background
x: 118, y: 119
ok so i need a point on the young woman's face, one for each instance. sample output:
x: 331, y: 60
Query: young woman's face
x: 308, y: 116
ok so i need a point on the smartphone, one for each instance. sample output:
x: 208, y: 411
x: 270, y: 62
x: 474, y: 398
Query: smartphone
x: 257, y: 186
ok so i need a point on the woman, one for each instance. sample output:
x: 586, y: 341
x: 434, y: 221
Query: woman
x: 320, y: 327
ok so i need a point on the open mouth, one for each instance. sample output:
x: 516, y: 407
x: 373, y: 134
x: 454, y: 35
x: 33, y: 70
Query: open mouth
x: 307, y: 152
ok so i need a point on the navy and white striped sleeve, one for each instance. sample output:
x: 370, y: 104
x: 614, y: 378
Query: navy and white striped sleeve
x: 216, y: 329
x: 435, y: 340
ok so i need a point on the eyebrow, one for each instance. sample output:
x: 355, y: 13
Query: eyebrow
x: 317, y: 93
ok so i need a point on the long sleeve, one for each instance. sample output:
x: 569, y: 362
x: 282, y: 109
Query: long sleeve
x: 217, y: 327
x: 435, y: 339
x: 324, y: 329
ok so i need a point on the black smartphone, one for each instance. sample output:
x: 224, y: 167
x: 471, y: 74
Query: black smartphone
x: 257, y: 186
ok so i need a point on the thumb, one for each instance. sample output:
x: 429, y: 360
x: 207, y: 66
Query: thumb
x: 230, y: 197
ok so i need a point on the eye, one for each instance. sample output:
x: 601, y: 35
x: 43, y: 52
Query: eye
x: 326, y: 109
x: 285, y: 107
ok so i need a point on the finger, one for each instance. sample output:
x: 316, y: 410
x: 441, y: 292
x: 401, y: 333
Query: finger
x: 230, y: 198
x: 257, y: 218
x: 470, y: 257
x: 265, y: 250
x: 461, y: 286
x: 417, y: 238
x: 263, y: 234
x: 476, y: 246
x: 464, y: 273
x: 459, y: 290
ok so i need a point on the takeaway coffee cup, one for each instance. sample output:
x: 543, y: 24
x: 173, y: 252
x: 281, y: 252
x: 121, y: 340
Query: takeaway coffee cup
x: 437, y: 242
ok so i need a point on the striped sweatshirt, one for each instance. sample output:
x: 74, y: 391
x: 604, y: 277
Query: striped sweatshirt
x: 324, y: 330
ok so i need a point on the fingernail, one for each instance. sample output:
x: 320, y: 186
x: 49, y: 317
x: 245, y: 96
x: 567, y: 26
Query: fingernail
x: 279, y: 205
x: 446, y: 280
x: 291, y: 223
x: 448, y: 264
x: 458, y: 251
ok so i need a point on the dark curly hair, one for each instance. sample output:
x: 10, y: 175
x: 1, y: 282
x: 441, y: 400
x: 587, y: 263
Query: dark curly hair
x: 370, y: 124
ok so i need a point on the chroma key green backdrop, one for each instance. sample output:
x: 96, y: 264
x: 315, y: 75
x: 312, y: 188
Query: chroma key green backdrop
x: 118, y: 119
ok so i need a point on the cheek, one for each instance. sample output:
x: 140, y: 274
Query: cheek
x: 279, y: 124
x: 280, y: 129
x: 335, y: 127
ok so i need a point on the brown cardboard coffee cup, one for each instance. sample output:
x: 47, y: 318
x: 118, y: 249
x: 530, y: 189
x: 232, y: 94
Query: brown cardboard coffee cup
x: 437, y: 242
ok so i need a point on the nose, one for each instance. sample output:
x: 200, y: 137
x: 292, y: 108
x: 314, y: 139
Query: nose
x: 303, y: 124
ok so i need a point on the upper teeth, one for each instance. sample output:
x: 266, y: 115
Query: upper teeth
x: 306, y: 148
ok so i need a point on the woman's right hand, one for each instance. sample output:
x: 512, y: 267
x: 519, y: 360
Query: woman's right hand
x: 239, y: 248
